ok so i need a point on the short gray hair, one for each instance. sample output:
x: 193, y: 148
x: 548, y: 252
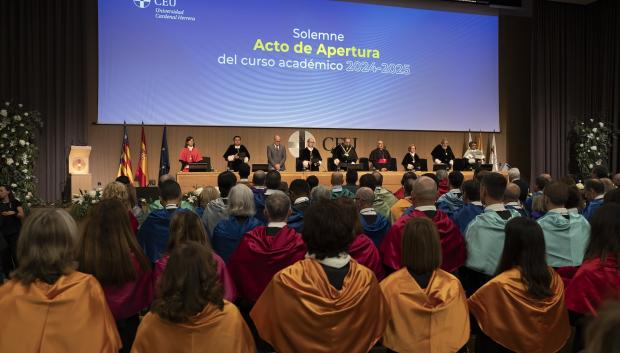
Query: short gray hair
x: 514, y: 173
x: 441, y: 174
x: 320, y: 193
x: 241, y: 201
x: 365, y: 196
x: 277, y: 206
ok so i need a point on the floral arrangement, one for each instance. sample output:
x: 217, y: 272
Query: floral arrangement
x: 80, y: 204
x: 193, y: 197
x: 592, y: 144
x: 19, y: 130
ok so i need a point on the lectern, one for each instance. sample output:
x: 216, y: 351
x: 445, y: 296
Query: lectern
x: 81, y: 179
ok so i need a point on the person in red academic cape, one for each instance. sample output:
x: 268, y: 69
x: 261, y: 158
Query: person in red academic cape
x: 189, y: 154
x: 598, y: 277
x: 424, y: 195
x: 362, y: 249
x: 265, y: 250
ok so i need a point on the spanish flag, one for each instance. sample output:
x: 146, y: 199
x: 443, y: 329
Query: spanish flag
x: 124, y: 167
x: 142, y: 171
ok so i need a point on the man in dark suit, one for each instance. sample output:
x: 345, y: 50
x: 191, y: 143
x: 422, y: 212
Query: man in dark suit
x: 276, y: 155
x: 344, y: 153
x: 514, y: 176
x: 236, y: 154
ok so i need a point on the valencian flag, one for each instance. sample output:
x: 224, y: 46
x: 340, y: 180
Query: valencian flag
x: 142, y: 171
x: 124, y: 167
x: 164, y: 159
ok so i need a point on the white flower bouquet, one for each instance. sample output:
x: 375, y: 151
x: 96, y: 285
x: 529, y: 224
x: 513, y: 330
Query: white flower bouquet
x: 592, y: 141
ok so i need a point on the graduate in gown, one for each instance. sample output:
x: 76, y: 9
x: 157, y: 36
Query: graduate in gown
x: 310, y: 157
x: 522, y: 308
x: 424, y: 195
x: 373, y: 224
x: 236, y: 154
x: 327, y: 302
x: 190, y: 314
x: 512, y: 201
x: 344, y: 153
x: 266, y: 250
x: 472, y: 206
x: 566, y: 234
x: 384, y: 199
x: 452, y: 201
x: 189, y: 154
x: 442, y: 153
x: 380, y: 157
x: 411, y: 160
x: 47, y: 305
x: 184, y: 227
x: 429, y: 308
x: 594, y: 192
x: 299, y: 192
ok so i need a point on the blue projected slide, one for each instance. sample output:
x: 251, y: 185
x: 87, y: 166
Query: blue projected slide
x: 296, y: 63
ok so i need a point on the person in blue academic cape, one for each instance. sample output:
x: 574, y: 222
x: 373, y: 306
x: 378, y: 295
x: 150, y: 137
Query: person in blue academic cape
x: 594, y: 191
x: 539, y: 185
x: 452, y: 201
x: 471, y: 205
x: 374, y: 225
x: 258, y: 190
x: 299, y: 192
x: 153, y: 234
x: 511, y: 199
x: 217, y: 209
x: 241, y: 219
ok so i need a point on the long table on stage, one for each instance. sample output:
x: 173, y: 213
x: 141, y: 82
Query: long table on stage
x: 189, y: 181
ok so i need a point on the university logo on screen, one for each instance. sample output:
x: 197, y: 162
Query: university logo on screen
x: 143, y: 4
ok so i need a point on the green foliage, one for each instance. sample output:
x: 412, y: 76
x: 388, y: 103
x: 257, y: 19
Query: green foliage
x: 592, y: 144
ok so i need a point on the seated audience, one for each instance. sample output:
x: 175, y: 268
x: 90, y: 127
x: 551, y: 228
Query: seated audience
x: 384, y: 199
x: 362, y: 249
x: 217, y: 209
x: 117, y: 190
x: 157, y: 205
x: 613, y: 196
x: 442, y: 181
x: 404, y: 203
x: 616, y: 180
x: 135, y: 206
x: 514, y: 176
x: 312, y: 181
x: 228, y: 232
x: 539, y: 185
x: 208, y: 194
x: 598, y: 277
x: 337, y: 180
x: 603, y: 333
x: 600, y: 172
x: 594, y: 192
x: 485, y: 234
x: 351, y: 181
x: 423, y: 197
x: 401, y: 193
x: 327, y: 302
x: 511, y: 199
x: 299, y: 193
x: 153, y: 234
x: 273, y: 182
x: 185, y: 227
x: 266, y: 250
x: 373, y: 224
x: 566, y: 234
x: 244, y: 174
x: 259, y: 189
x: 109, y: 251
x: 452, y: 200
x: 608, y: 185
x: 48, y: 305
x: 190, y: 313
x: 320, y: 193
x: 472, y: 206
x: 429, y: 308
x: 522, y: 308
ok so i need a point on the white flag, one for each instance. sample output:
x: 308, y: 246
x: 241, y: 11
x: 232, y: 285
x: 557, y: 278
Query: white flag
x: 493, y: 155
x: 469, y: 138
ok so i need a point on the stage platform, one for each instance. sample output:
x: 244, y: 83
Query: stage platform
x: 191, y: 181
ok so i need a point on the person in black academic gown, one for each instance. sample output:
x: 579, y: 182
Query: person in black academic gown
x: 380, y: 157
x: 442, y: 153
x: 236, y: 154
x: 344, y: 153
x: 310, y: 157
x: 411, y: 161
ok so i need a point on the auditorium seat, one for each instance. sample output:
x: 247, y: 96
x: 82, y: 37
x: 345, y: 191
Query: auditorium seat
x: 330, y: 164
x: 423, y: 164
x: 364, y: 163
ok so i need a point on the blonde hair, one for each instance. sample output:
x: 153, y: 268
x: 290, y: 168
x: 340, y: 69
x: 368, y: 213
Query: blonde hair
x: 46, y: 247
x: 116, y: 190
x: 208, y: 194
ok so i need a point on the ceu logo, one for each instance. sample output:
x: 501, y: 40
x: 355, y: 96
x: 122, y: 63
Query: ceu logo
x: 143, y: 4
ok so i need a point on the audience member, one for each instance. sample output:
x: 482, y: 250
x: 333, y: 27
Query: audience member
x: 384, y: 199
x: 190, y: 313
x: 616, y: 180
x: 404, y: 203
x: 594, y: 191
x: 312, y: 181
x: 511, y: 199
x: 539, y: 185
x: 217, y: 209
x: 265, y: 250
x: 327, y: 302
x: 208, y: 194
x: 320, y: 193
x: 351, y: 180
x: 600, y: 172
x: 472, y: 206
x: 452, y: 200
x: 613, y: 196
x: 337, y: 180
x: 47, y: 303
x: 187, y: 226
x: 156, y: 205
x: 608, y: 184
x: 401, y: 193
x: 299, y: 192
x: 443, y: 185
x: 514, y: 176
x: 603, y: 334
x: 136, y: 207
x: 244, y: 174
x: 241, y: 219
x: 259, y: 189
x: 118, y: 190
x: 373, y: 224
x: 522, y: 308
x: 421, y: 293
x: 109, y: 251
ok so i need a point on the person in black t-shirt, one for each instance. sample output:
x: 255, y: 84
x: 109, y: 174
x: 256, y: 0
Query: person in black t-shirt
x: 11, y: 214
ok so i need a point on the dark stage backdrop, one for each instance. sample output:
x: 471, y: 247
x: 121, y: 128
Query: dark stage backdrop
x: 575, y: 75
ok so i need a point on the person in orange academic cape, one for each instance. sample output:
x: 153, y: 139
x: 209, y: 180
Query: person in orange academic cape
x: 522, y: 308
x: 266, y: 250
x: 189, y: 154
x: 327, y: 302
x: 423, y: 197
x: 47, y: 305
x: 598, y: 277
x: 190, y: 314
x: 429, y: 308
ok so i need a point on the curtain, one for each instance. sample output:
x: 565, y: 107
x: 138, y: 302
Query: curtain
x: 42, y: 66
x: 575, y: 75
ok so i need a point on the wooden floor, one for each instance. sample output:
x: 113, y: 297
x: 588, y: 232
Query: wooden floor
x: 190, y: 181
